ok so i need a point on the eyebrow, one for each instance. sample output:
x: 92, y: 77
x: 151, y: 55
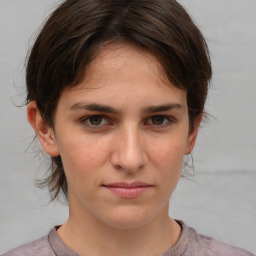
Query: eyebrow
x: 107, y: 109
x: 162, y: 108
x: 95, y: 107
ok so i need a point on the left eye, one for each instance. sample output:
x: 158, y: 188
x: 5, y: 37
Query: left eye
x: 159, y: 120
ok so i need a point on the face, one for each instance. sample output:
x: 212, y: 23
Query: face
x: 122, y: 134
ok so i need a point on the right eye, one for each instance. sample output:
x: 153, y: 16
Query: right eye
x: 94, y: 121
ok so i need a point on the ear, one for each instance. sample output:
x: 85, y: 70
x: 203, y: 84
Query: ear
x: 193, y: 135
x: 44, y: 133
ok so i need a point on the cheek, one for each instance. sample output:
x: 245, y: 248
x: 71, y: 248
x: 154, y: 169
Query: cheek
x: 168, y: 161
x: 83, y: 155
x: 168, y: 154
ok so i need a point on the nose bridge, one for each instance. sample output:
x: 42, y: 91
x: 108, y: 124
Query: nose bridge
x: 130, y: 154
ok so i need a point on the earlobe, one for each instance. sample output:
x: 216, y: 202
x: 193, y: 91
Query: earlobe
x: 44, y: 132
x: 193, y: 135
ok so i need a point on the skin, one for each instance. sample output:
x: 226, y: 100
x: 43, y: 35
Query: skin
x: 134, y: 142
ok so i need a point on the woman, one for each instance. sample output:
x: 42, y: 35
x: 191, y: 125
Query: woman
x: 116, y: 93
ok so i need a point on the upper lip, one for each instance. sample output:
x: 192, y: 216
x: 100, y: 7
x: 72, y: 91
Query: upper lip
x: 127, y: 185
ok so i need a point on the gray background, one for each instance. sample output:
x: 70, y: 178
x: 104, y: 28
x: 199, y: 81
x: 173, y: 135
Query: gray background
x: 219, y: 200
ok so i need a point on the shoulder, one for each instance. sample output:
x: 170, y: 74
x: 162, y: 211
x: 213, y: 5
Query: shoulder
x: 40, y: 247
x: 208, y: 246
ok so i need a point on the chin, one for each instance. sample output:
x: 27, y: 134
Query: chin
x: 129, y: 219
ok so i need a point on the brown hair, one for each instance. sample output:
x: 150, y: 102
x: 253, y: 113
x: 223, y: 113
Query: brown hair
x: 74, y: 32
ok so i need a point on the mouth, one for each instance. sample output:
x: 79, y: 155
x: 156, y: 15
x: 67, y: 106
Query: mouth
x: 128, y: 190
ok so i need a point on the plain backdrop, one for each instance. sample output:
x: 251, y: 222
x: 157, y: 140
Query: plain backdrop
x: 218, y: 201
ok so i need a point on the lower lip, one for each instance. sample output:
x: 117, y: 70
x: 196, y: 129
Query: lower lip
x: 128, y: 192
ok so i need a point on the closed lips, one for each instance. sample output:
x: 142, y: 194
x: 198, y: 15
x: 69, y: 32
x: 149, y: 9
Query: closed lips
x: 128, y: 190
x: 127, y: 185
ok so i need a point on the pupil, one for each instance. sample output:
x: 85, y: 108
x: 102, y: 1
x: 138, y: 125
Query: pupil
x: 95, y: 120
x: 158, y: 120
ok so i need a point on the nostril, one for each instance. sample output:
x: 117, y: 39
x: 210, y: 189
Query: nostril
x: 118, y: 167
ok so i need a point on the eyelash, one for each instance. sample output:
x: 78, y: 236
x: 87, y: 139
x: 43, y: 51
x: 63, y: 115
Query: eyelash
x: 167, y: 121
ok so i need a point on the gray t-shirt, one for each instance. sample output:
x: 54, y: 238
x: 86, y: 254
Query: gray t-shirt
x: 190, y: 244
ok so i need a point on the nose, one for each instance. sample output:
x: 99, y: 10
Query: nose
x: 129, y: 153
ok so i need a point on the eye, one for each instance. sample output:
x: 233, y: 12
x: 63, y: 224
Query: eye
x: 94, y: 121
x: 160, y: 121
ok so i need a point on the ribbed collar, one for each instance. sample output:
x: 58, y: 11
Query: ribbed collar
x: 60, y: 249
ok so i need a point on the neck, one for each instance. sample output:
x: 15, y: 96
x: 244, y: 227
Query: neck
x: 88, y: 236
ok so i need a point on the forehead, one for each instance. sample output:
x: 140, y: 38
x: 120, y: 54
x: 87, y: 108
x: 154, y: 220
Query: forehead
x: 125, y: 58
x: 129, y: 72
